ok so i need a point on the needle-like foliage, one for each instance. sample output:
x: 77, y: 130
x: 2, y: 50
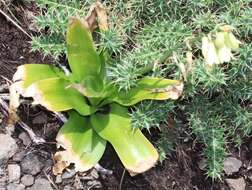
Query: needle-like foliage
x: 153, y: 38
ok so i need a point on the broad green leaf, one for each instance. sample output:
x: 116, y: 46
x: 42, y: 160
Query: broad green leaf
x: 29, y: 73
x: 149, y: 88
x: 133, y: 148
x: 91, y: 86
x: 81, y: 53
x: 56, y: 95
x: 83, y: 146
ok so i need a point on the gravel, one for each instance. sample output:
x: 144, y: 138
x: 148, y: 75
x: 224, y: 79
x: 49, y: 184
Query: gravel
x: 8, y: 147
x: 41, y: 184
x: 14, y: 173
x: 14, y: 186
x: 31, y: 164
x: 25, y: 138
x: 236, y: 184
x: 27, y: 180
x: 18, y: 156
x: 58, y: 179
x: 68, y: 174
x: 232, y: 165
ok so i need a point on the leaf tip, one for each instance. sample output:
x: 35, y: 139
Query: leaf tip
x: 143, y: 165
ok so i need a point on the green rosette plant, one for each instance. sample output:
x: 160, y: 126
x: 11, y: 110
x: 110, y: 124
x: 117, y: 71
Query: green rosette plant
x: 97, y: 109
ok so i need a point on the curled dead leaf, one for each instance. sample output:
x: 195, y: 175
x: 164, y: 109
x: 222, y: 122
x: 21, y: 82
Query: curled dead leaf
x: 102, y: 16
x: 96, y: 17
x: 60, y: 163
x: 174, y: 91
x: 13, y: 105
x: 90, y: 19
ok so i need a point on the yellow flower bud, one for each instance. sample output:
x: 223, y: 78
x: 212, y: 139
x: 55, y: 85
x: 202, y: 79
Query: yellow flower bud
x: 231, y: 41
x: 219, y: 42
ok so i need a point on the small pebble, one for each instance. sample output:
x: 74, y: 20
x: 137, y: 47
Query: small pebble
x: 58, y: 179
x: 68, y: 174
x: 27, y: 180
x: 202, y: 164
x: 231, y: 165
x: 236, y: 184
x: 25, y: 138
x: 31, y: 164
x: 8, y: 147
x: 41, y: 184
x: 14, y: 186
x: 18, y: 156
x: 14, y: 173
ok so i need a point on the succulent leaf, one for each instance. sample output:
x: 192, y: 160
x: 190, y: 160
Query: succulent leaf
x: 30, y: 73
x: 55, y: 95
x: 133, y: 148
x: 83, y: 146
x: 150, y: 88
x: 81, y: 53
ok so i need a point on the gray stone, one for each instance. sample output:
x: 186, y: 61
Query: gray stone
x: 25, y: 138
x: 231, y: 165
x: 236, y: 184
x: 31, y: 164
x: 14, y: 186
x: 41, y: 184
x: 58, y: 179
x: 48, y: 163
x: 14, y: 173
x: 8, y: 147
x: 18, y: 156
x: 202, y: 164
x: 68, y: 174
x: 27, y: 180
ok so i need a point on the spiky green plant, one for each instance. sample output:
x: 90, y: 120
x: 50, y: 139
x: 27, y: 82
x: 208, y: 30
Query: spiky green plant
x: 141, y: 37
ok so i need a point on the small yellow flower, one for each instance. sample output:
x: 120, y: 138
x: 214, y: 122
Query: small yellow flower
x: 231, y: 41
x: 220, y: 49
x: 219, y: 41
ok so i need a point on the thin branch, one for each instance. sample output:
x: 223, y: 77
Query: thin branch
x: 121, y: 181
